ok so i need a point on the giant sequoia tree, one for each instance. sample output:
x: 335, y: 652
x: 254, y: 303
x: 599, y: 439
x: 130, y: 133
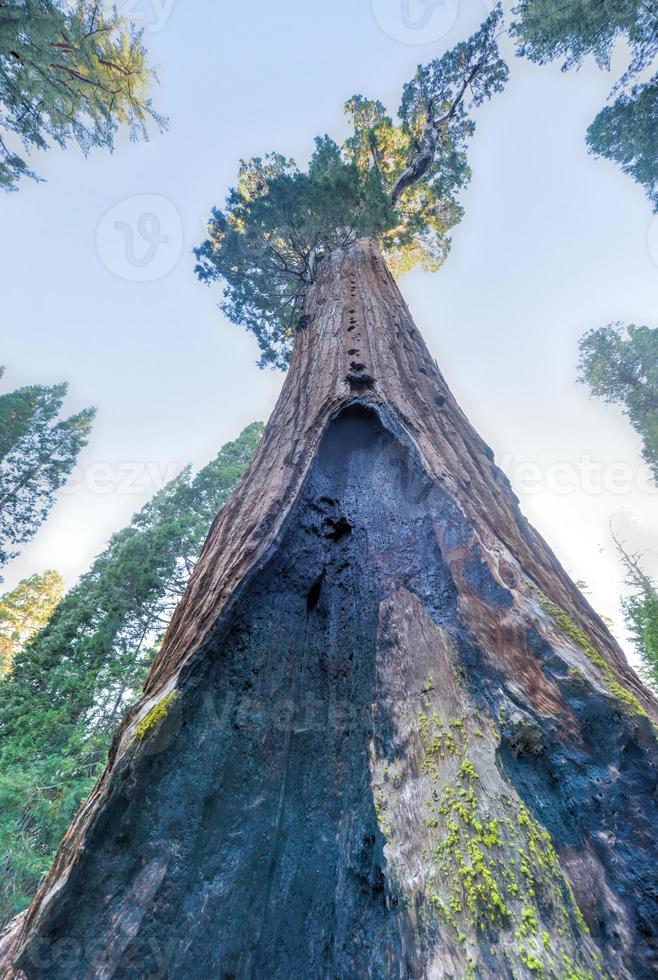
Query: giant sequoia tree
x: 385, y: 735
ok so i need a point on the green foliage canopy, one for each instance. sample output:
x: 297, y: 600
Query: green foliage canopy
x: 571, y: 31
x: 73, y: 683
x: 396, y: 182
x: 626, y: 131
x: 276, y: 223
x: 38, y: 451
x: 25, y: 611
x: 68, y: 71
x: 620, y: 365
x: 641, y: 614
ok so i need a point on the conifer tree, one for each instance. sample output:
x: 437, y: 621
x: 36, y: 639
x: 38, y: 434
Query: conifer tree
x: 38, y: 451
x: 25, y: 611
x: 72, y: 683
x: 641, y: 613
x: 68, y: 72
x: 627, y: 130
x: 620, y: 365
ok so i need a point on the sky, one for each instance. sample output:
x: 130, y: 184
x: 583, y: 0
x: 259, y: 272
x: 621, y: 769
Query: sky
x: 99, y: 288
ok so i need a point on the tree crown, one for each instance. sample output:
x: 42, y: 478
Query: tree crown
x: 38, y: 450
x: 68, y: 71
x: 396, y: 182
x: 549, y: 30
x: 625, y: 131
x: 620, y: 365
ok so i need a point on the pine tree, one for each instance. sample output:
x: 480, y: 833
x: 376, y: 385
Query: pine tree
x: 71, y: 685
x: 17, y: 410
x: 68, y: 72
x: 641, y: 614
x: 38, y: 451
x: 620, y: 365
x: 626, y: 131
x: 25, y: 611
x: 385, y: 734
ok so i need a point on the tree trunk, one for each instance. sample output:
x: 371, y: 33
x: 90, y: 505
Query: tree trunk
x: 385, y: 735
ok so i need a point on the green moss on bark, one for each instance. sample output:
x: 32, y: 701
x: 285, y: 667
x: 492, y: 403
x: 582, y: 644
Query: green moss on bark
x: 580, y: 638
x: 497, y: 877
x: 155, y: 717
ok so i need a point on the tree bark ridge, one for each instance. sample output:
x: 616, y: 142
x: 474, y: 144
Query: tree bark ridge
x: 518, y: 648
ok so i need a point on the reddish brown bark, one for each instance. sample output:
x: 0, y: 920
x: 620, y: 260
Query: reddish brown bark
x: 360, y: 339
x: 360, y: 343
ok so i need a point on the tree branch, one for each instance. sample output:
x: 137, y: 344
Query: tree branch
x: 422, y: 159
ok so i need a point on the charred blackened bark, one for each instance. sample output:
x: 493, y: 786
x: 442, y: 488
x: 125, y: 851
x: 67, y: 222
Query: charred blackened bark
x: 385, y: 736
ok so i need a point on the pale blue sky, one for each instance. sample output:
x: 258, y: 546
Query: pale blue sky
x: 553, y: 243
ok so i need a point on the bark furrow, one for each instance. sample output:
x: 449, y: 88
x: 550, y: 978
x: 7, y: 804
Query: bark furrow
x: 393, y: 738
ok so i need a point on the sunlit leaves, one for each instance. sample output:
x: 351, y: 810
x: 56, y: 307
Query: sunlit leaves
x: 68, y: 71
x: 24, y: 611
x: 395, y: 182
